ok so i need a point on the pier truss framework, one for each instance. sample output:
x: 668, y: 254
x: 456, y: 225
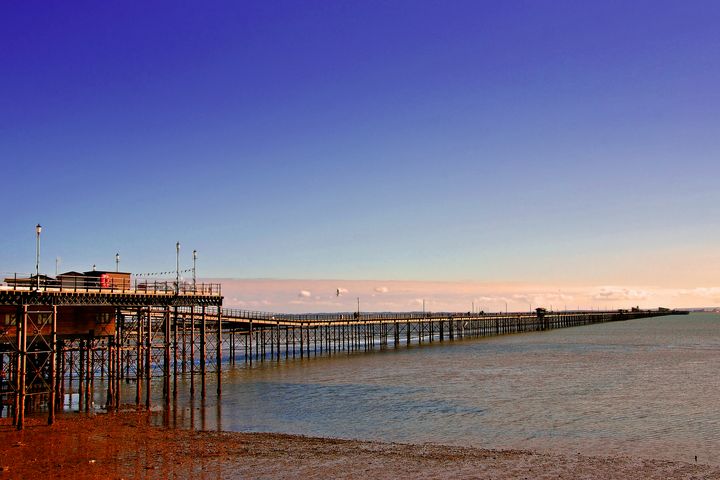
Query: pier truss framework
x: 42, y: 367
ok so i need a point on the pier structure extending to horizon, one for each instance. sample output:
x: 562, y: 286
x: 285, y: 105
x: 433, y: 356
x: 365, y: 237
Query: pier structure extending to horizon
x: 259, y: 336
x: 56, y: 338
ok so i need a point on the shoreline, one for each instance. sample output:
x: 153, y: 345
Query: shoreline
x: 128, y: 445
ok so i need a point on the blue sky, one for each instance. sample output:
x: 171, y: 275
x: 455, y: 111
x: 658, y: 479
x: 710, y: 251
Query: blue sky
x: 570, y: 142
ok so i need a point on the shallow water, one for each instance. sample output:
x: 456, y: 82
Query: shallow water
x: 645, y: 387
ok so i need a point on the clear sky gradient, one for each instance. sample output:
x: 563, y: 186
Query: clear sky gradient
x: 560, y: 143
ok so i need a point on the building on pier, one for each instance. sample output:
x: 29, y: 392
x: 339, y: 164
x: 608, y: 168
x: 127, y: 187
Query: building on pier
x: 104, y: 279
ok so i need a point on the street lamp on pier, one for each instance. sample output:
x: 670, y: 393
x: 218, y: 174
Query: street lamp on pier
x: 193, y: 271
x: 38, y: 229
x: 177, y: 267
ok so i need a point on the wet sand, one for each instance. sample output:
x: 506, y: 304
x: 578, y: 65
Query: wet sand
x: 127, y: 445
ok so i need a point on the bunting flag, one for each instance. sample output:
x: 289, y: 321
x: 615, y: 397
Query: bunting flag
x: 155, y: 274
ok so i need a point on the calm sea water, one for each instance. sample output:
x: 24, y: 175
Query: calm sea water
x: 645, y: 388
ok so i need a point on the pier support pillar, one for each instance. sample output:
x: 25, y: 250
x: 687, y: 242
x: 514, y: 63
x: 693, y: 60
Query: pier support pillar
x: 203, y: 350
x: 148, y: 357
x: 138, y: 349
x: 166, y: 354
x: 250, y: 343
x: 219, y: 351
x: 21, y: 372
x: 52, y: 365
x: 192, y: 350
x: 175, y: 351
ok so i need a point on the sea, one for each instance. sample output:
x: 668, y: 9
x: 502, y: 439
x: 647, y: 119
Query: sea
x: 645, y: 388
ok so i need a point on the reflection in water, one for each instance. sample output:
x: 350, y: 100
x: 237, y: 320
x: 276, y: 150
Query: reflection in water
x: 192, y: 413
x: 644, y: 387
x: 218, y: 416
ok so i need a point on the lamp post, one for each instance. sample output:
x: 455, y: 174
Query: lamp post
x: 117, y: 262
x: 177, y: 267
x: 194, y: 262
x: 38, y: 229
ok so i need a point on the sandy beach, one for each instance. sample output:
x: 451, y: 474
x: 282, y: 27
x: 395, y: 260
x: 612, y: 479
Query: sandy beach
x: 127, y: 445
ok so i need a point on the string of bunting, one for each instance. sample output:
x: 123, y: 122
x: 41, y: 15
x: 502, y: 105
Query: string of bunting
x: 155, y: 274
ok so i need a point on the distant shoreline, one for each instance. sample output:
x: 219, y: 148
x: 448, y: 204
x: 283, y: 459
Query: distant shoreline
x: 122, y: 445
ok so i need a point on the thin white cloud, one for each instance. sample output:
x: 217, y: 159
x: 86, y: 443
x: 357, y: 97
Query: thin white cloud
x: 489, y: 299
x: 702, y: 292
x: 299, y: 296
x: 619, y: 294
x: 258, y: 304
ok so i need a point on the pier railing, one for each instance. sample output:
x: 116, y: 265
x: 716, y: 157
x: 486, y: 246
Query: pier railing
x: 109, y: 284
x: 234, y: 314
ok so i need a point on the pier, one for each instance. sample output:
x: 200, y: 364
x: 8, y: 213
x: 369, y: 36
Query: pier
x: 57, y: 336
